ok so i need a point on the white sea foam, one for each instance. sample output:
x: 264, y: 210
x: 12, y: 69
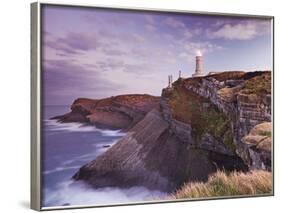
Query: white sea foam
x: 54, y: 125
x: 71, y: 127
x: 112, y: 132
x: 78, y: 193
x: 58, y: 169
x: 84, y: 158
x: 99, y: 148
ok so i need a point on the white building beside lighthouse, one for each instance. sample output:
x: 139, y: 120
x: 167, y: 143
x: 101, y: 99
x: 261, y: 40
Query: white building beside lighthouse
x: 199, y: 65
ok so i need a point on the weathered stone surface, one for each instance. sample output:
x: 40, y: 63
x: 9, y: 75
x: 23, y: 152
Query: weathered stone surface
x: 208, y: 142
x: 256, y: 149
x: 181, y: 130
x: 184, y: 132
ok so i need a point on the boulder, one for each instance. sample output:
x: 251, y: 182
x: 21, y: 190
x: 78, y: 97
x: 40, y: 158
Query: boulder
x: 256, y: 148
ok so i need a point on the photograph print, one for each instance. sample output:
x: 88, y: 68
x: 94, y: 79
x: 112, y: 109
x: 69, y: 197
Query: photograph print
x: 146, y: 106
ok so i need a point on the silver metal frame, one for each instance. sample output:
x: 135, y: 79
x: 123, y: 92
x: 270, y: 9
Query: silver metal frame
x: 35, y: 107
x: 36, y: 102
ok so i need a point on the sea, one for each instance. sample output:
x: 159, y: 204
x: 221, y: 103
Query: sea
x: 68, y: 146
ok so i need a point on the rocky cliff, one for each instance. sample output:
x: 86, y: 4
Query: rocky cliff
x: 198, y: 126
x: 151, y: 155
x: 118, y: 112
x: 220, y: 110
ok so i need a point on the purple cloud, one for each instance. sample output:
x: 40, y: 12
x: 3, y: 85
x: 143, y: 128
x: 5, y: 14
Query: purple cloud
x: 73, y: 43
x: 245, y: 30
x: 66, y: 81
x: 136, y: 69
x: 113, y: 52
x: 109, y: 65
x: 80, y: 41
x: 174, y: 23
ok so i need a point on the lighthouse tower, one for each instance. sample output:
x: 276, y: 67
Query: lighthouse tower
x: 199, y: 65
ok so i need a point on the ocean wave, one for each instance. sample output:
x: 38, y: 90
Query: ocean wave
x: 112, y: 132
x: 59, y: 169
x: 82, y: 158
x: 99, y: 149
x: 79, y: 193
x: 54, y: 125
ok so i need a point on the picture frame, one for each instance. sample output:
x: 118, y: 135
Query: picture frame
x: 171, y: 113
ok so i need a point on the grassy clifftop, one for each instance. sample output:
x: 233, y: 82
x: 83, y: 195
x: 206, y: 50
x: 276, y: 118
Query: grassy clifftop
x: 233, y: 184
x: 142, y: 101
x: 116, y: 112
x: 259, y: 85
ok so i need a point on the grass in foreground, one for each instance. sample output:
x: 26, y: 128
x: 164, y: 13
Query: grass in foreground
x: 221, y: 184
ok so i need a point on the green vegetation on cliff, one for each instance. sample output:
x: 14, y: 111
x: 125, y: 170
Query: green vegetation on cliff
x: 258, y: 85
x: 233, y: 184
x: 203, y: 116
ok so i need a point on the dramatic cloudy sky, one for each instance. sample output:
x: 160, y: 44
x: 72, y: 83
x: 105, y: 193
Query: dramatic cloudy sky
x: 98, y: 53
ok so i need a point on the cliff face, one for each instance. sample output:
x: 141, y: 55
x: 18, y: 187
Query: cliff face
x: 151, y: 155
x: 220, y: 110
x: 119, y: 112
x: 199, y: 125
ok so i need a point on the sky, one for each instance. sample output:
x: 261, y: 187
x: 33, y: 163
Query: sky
x: 97, y: 53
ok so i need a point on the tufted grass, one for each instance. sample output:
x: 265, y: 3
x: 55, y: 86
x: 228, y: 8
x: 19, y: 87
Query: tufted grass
x: 233, y: 184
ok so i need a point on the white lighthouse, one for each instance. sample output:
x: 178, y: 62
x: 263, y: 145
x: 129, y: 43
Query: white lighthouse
x: 199, y: 65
